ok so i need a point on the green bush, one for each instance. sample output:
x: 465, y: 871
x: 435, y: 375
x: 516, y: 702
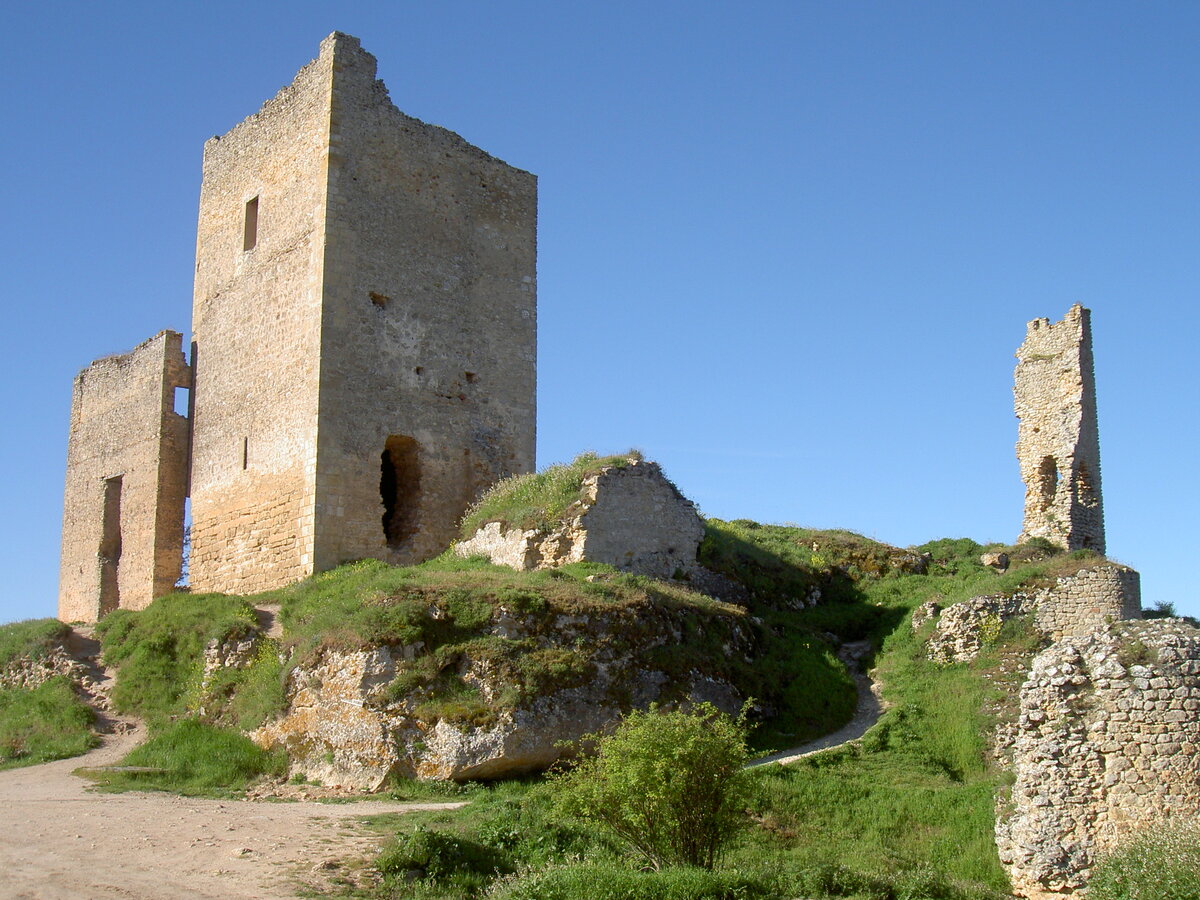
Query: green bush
x: 196, y: 758
x: 436, y: 854
x: 45, y: 723
x: 1160, y: 863
x: 671, y: 784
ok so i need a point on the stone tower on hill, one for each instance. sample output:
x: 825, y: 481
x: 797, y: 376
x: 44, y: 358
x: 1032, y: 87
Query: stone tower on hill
x: 1058, y: 445
x: 363, y: 361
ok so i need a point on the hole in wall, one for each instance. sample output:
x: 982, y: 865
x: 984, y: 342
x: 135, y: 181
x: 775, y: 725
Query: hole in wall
x: 380, y: 300
x: 1085, y: 486
x: 245, y: 453
x: 400, y: 488
x: 109, y: 552
x: 179, y: 401
x: 1047, y: 483
x: 419, y: 370
x: 250, y: 226
x: 471, y: 377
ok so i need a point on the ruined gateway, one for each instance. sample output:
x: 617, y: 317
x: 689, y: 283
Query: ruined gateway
x: 362, y: 365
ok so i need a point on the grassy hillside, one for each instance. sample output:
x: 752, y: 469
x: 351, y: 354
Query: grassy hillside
x: 47, y: 721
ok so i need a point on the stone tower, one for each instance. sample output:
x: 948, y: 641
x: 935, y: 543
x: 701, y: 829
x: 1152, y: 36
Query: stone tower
x: 363, y: 358
x: 1058, y: 444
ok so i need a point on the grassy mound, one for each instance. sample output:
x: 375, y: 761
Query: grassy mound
x: 539, y: 500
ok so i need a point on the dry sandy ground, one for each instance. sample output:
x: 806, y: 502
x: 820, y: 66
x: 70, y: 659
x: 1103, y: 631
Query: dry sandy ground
x: 58, y: 840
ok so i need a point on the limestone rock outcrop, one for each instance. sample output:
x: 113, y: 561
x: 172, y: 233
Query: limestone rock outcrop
x: 348, y: 725
x: 629, y: 516
x: 1108, y: 741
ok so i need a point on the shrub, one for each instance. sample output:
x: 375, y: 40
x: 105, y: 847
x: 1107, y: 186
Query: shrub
x: 668, y: 783
x: 1160, y: 863
x: 436, y: 854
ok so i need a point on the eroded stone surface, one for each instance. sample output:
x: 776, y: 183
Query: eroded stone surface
x: 1073, y: 605
x: 629, y: 516
x: 1058, y: 444
x: 1108, y: 741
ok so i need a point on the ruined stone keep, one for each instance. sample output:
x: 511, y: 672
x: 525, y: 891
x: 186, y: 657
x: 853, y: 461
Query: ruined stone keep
x: 363, y: 357
x: 1058, y: 444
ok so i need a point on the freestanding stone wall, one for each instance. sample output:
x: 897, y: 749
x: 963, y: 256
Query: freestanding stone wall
x: 1108, y: 742
x: 364, y: 321
x: 630, y: 517
x: 1058, y: 445
x: 126, y: 481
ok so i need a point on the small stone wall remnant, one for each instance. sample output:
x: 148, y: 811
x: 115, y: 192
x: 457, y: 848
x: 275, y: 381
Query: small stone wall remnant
x: 123, y: 508
x: 629, y: 516
x: 1108, y: 742
x: 1073, y: 605
x: 1058, y: 445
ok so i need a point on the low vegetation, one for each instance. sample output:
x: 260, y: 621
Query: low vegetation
x: 538, y: 500
x: 45, y: 723
x: 1160, y: 863
x: 32, y: 639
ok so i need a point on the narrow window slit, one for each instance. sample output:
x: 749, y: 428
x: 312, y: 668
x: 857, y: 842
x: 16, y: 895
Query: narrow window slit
x: 250, y: 231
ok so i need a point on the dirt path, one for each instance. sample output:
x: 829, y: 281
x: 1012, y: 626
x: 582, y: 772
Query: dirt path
x: 866, y: 714
x: 60, y: 840
x: 57, y: 840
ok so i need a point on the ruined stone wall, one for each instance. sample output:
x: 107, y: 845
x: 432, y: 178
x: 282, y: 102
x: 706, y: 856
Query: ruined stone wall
x: 1073, y: 605
x: 126, y: 481
x: 630, y: 517
x: 1108, y: 742
x: 256, y: 322
x: 1058, y: 446
x: 428, y: 357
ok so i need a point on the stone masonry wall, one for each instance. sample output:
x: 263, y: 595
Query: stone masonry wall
x: 1058, y: 444
x: 1108, y: 742
x: 630, y: 517
x: 126, y: 479
x: 1074, y: 605
x: 256, y: 321
x: 428, y: 331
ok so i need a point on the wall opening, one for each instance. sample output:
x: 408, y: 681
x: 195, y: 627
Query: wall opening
x: 180, y: 402
x: 250, y: 229
x: 1047, y: 482
x: 400, y: 488
x: 1085, y: 487
x: 110, y: 546
x: 245, y: 453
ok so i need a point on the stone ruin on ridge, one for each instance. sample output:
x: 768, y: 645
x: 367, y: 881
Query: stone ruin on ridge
x: 362, y: 365
x: 1058, y: 443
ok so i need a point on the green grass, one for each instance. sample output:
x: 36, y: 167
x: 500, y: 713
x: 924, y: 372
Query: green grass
x: 538, y: 500
x: 1161, y: 862
x: 197, y: 759
x: 45, y: 723
x: 32, y: 639
x: 159, y: 650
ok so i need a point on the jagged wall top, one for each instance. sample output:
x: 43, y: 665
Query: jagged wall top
x: 1058, y: 446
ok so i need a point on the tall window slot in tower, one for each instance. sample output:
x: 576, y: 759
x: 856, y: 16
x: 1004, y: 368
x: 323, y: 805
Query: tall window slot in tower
x: 250, y: 230
x: 400, y: 488
x: 109, y: 553
x: 1047, y: 482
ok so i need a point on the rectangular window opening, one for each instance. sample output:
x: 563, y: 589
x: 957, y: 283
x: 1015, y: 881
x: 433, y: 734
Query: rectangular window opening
x: 179, y: 402
x: 245, y: 453
x: 109, y: 552
x: 250, y: 233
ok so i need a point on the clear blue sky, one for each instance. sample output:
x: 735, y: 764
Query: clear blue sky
x: 786, y: 248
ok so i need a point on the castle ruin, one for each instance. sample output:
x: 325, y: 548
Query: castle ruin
x: 362, y: 363
x: 1058, y: 443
